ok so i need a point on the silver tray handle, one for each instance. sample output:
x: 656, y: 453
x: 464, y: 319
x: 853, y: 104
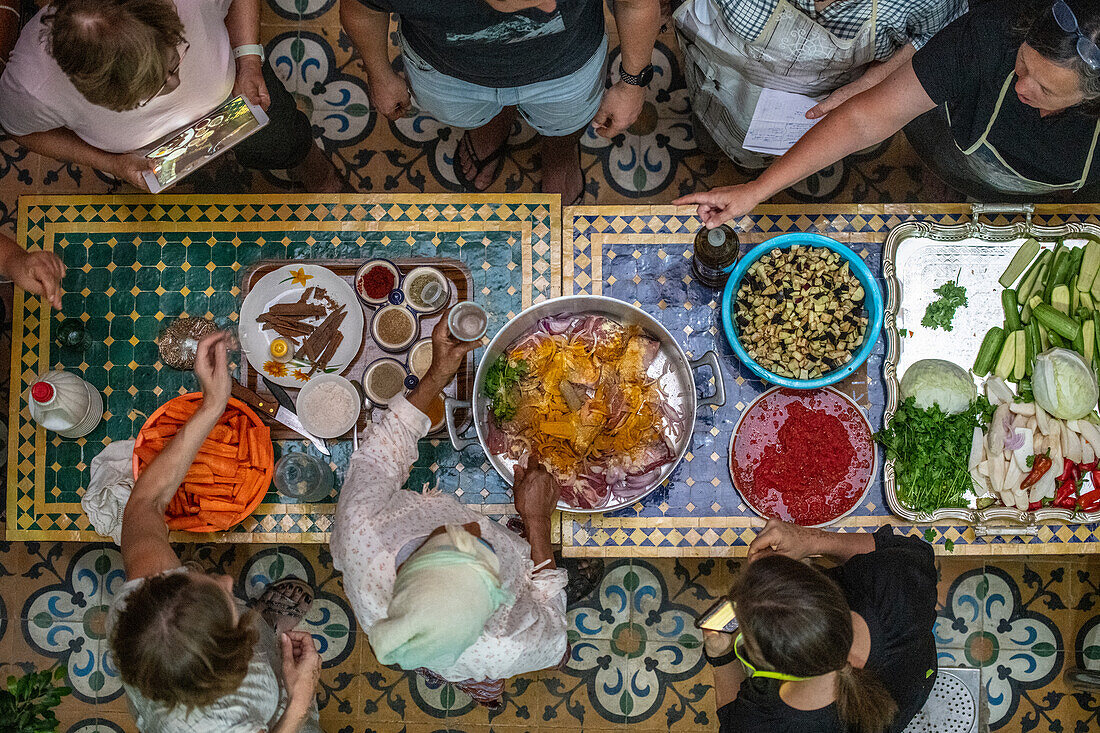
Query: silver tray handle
x: 708, y: 359
x: 450, y: 407
x: 977, y: 210
x: 1023, y: 530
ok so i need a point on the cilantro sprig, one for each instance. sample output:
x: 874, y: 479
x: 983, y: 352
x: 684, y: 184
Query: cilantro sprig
x: 930, y: 451
x: 941, y: 311
x: 500, y: 381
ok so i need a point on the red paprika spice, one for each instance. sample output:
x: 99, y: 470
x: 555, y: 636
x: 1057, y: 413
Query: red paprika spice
x: 377, y: 282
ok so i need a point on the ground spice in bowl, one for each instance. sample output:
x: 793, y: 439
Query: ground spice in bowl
x: 375, y: 281
x: 383, y: 380
x: 394, y: 328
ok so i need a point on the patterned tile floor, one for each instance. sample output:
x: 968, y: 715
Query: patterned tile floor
x: 637, y: 661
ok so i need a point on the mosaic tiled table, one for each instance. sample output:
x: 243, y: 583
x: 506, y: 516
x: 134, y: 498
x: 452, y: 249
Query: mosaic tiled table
x: 136, y: 263
x: 642, y: 255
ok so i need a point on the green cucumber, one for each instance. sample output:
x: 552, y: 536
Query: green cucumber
x: 1019, y: 365
x: 1074, y: 296
x: 1090, y: 265
x: 1059, y: 298
x: 1011, y: 309
x: 1075, y: 256
x: 1023, y: 257
x: 1044, y: 339
x: 1057, y: 322
x: 1034, y: 346
x: 1086, y: 302
x: 1059, y: 265
x: 1096, y: 327
x: 1088, y: 330
x: 1007, y: 360
x: 1079, y: 342
x: 1056, y: 341
x: 989, y: 350
x: 1033, y: 278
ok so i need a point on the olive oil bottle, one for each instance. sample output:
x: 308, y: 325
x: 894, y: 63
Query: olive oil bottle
x: 715, y: 254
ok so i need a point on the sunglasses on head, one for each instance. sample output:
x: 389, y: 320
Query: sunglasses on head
x: 754, y: 672
x: 1086, y: 47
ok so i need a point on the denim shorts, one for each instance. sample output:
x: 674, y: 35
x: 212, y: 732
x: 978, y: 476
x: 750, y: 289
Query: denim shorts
x: 554, y: 107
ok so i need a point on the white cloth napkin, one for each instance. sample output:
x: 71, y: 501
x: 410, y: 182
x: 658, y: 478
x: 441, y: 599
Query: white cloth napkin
x: 109, y: 488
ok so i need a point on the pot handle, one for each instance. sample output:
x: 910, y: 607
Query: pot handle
x: 708, y: 359
x: 450, y: 407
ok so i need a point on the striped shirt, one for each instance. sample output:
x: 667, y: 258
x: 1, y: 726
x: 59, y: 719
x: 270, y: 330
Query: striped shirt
x: 899, y: 21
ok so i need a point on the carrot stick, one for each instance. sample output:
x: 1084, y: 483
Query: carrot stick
x: 207, y: 504
x: 221, y: 434
x: 221, y: 520
x: 186, y: 522
x: 181, y: 410
x: 201, y: 490
x: 218, y: 449
x: 145, y: 454
x: 255, y: 450
x: 199, y: 473
x: 242, y: 441
x: 220, y: 465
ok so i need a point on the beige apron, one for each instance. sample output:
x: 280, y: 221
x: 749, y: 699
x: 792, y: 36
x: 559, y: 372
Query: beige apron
x: 985, y: 163
x: 794, y: 53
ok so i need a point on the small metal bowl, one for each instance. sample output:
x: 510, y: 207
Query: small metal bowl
x: 364, y: 268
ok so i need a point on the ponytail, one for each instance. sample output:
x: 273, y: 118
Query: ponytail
x: 863, y: 702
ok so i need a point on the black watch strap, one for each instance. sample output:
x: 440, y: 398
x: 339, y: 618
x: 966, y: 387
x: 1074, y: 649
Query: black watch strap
x: 722, y: 660
x: 641, y: 79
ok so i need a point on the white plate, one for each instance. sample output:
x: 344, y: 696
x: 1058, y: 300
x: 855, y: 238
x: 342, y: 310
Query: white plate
x: 286, y: 285
x: 329, y: 429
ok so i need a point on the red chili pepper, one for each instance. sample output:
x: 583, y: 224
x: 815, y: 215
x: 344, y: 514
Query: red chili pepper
x: 1034, y: 505
x: 1066, y: 491
x: 1038, y: 468
x: 1086, y: 467
x: 1069, y: 470
x: 1090, y: 501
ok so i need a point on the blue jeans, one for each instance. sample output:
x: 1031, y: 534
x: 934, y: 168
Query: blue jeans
x: 553, y: 108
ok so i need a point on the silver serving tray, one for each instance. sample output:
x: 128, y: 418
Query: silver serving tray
x: 918, y: 257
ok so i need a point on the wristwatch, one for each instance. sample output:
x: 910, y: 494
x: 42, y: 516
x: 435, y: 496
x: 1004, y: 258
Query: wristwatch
x: 641, y: 79
x: 249, y: 49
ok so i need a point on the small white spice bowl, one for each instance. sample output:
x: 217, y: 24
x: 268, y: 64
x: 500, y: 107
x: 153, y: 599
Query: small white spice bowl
x: 320, y: 419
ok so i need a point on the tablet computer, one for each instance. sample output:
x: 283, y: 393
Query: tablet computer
x: 181, y: 152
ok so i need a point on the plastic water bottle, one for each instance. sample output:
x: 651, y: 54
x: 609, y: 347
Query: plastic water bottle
x: 65, y: 403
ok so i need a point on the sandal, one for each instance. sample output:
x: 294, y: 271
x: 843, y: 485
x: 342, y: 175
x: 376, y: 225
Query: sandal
x: 284, y: 603
x: 584, y: 575
x: 495, y: 158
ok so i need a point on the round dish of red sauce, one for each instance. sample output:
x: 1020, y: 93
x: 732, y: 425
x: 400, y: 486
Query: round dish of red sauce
x: 803, y: 456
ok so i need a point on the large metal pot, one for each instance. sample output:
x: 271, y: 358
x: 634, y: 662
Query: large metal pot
x: 678, y: 381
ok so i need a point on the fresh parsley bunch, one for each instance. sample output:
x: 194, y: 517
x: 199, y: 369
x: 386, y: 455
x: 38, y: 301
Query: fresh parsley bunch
x: 930, y: 451
x: 941, y: 311
x: 500, y: 381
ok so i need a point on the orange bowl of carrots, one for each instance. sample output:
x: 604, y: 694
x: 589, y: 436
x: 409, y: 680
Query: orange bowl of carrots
x: 231, y: 473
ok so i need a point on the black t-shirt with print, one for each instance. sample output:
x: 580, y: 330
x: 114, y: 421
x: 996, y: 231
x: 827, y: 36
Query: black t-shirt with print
x: 469, y: 40
x: 965, y: 66
x: 894, y: 590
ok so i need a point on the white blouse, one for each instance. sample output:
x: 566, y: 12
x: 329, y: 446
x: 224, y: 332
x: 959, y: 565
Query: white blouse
x: 376, y: 518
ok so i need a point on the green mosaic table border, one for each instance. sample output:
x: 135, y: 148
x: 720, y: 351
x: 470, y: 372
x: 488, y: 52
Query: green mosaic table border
x: 534, y: 219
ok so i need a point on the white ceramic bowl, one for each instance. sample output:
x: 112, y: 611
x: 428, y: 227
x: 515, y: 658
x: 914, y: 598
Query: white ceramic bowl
x: 321, y: 422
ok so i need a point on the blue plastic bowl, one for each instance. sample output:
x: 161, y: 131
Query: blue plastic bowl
x: 872, y: 303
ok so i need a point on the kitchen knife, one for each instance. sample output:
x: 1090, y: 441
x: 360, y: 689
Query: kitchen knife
x: 278, y: 413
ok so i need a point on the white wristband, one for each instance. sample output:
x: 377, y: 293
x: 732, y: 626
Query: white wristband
x: 250, y: 49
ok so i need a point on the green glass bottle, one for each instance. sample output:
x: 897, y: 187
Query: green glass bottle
x: 715, y: 254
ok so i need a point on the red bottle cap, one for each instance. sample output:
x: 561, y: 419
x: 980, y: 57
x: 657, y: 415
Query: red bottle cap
x: 42, y: 391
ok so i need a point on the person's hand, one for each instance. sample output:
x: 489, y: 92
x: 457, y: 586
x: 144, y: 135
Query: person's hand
x: 250, y: 81
x: 129, y: 167
x: 389, y: 93
x: 717, y: 643
x: 212, y: 370
x: 39, y: 273
x: 784, y: 538
x: 301, y: 666
x: 619, y: 108
x: 448, y: 353
x: 535, y: 493
x: 719, y: 205
x: 834, y: 100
